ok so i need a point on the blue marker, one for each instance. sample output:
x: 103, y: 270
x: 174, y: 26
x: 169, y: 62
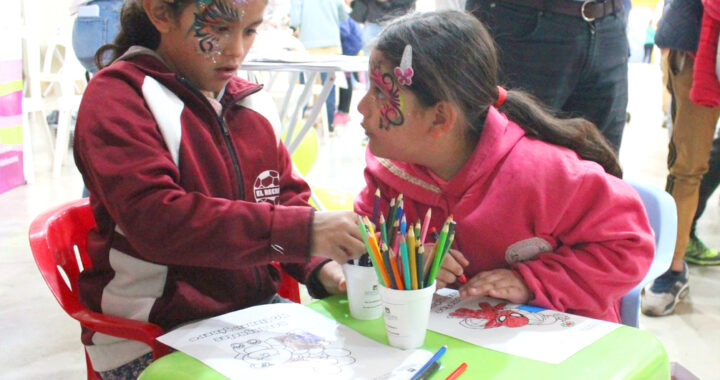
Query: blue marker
x: 427, y: 365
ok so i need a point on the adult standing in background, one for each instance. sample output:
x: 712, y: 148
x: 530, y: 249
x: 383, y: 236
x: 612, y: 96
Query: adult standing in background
x: 694, y: 119
x: 318, y: 23
x: 376, y: 14
x: 572, y: 55
x: 97, y: 24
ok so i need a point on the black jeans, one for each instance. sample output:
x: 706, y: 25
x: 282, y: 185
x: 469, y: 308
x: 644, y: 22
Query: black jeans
x: 575, y: 67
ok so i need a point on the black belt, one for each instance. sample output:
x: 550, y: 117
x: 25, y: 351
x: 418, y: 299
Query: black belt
x: 588, y: 10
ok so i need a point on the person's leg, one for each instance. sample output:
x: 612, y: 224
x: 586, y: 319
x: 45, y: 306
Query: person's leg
x: 130, y: 370
x: 530, y: 45
x: 92, y: 32
x: 696, y: 251
x: 646, y: 54
x: 346, y: 96
x: 692, y: 136
x: 601, y: 96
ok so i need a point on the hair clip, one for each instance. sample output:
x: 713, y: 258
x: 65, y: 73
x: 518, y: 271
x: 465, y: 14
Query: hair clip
x: 404, y: 72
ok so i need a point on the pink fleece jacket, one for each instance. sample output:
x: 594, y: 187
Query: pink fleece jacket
x: 578, y: 236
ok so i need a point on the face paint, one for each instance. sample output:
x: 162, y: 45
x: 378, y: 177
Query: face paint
x: 213, y: 21
x: 389, y: 96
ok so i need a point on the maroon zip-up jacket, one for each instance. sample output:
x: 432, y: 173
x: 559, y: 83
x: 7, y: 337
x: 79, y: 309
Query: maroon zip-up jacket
x: 193, y: 199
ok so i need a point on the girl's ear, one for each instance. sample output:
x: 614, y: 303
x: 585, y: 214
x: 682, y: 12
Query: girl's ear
x: 444, y: 115
x: 159, y: 14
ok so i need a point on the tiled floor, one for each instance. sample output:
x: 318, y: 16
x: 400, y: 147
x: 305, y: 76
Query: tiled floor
x: 41, y: 341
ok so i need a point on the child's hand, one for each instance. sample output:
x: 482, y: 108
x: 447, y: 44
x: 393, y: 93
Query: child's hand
x: 452, y: 268
x: 497, y: 283
x: 335, y: 235
x: 332, y: 278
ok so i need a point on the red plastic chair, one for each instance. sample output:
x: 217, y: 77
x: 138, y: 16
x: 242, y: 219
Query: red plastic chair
x: 58, y: 240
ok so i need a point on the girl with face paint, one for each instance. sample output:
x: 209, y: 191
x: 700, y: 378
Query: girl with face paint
x: 192, y: 191
x: 541, y: 214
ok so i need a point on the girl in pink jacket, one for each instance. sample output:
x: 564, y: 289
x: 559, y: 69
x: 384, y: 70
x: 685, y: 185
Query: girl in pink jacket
x: 542, y: 215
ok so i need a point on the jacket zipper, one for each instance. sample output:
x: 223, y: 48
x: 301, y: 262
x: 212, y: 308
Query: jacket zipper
x: 233, y: 155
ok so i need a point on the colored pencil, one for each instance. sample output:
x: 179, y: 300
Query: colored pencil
x: 376, y: 206
x: 412, y: 253
x: 407, y: 280
x: 420, y: 266
x: 391, y: 216
x: 456, y: 373
x: 437, y: 260
x: 425, y: 225
x: 403, y: 225
x: 386, y: 260
x: 369, y: 248
x: 462, y: 279
x: 383, y: 229
x: 396, y: 271
x: 427, y: 365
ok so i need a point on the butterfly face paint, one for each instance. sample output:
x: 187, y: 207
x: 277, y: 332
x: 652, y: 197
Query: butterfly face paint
x: 389, y: 97
x: 213, y: 21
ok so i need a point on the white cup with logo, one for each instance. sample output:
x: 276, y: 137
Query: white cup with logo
x: 406, y: 315
x: 362, y: 292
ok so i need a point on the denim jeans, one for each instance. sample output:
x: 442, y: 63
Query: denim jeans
x: 575, y: 67
x: 90, y: 33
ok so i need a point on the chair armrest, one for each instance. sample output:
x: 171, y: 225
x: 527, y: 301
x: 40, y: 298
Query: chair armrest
x: 145, y: 332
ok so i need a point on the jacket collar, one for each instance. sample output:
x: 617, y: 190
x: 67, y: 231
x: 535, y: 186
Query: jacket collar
x: 152, y: 64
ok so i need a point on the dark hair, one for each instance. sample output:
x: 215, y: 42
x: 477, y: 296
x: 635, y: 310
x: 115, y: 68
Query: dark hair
x: 455, y: 59
x: 135, y: 29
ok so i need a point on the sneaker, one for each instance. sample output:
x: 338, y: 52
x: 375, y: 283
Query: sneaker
x: 341, y: 118
x: 662, y: 295
x: 698, y: 253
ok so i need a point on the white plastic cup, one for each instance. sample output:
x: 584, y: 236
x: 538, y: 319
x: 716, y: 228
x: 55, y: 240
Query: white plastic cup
x: 406, y: 315
x: 362, y: 292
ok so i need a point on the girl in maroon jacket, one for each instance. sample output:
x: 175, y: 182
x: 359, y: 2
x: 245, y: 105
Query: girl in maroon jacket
x: 192, y: 190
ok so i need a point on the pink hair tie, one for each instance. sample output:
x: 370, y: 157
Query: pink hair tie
x: 502, y: 95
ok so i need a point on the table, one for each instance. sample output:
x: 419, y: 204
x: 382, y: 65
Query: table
x: 625, y: 353
x: 312, y: 66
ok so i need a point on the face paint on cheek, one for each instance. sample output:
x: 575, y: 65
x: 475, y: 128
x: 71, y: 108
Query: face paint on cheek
x: 391, y: 104
x: 213, y: 20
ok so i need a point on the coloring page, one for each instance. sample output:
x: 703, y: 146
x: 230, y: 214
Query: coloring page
x: 290, y: 341
x: 520, y: 330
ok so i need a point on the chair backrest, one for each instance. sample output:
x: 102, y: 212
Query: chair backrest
x: 58, y: 242
x: 662, y: 214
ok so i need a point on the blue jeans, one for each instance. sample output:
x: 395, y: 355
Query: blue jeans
x: 370, y: 32
x: 90, y: 33
x: 575, y: 67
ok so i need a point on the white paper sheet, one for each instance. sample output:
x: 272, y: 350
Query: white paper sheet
x: 290, y: 341
x: 520, y: 330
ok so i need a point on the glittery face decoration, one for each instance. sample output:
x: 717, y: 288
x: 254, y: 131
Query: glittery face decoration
x: 388, y: 96
x: 213, y: 21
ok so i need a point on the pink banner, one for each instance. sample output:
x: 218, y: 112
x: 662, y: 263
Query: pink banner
x: 10, y: 121
x: 10, y: 70
x: 11, y: 170
x: 11, y: 104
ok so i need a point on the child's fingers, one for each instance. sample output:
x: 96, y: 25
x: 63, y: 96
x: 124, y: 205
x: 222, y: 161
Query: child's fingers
x: 446, y: 276
x: 451, y: 265
x: 459, y: 258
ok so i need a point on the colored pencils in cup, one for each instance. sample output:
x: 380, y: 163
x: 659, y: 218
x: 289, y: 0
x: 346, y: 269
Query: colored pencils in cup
x: 398, y: 251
